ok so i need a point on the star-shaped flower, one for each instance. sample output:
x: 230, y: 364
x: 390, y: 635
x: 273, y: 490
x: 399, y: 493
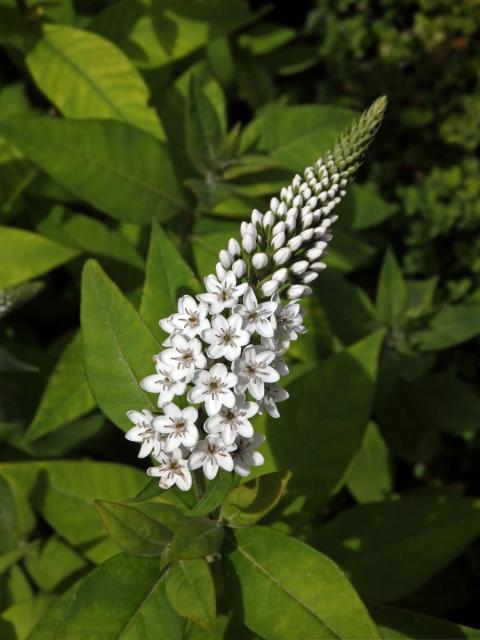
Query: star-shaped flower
x: 246, y: 454
x: 273, y: 394
x: 289, y: 323
x: 143, y: 432
x: 214, y: 388
x: 226, y: 337
x: 163, y: 383
x: 173, y: 469
x: 178, y: 425
x: 191, y: 318
x: 230, y: 423
x: 183, y: 357
x: 222, y: 294
x: 211, y: 454
x: 253, y: 370
x: 258, y: 317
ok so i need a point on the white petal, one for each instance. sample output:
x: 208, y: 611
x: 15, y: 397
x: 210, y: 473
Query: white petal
x: 212, y: 405
x: 145, y: 449
x: 183, y: 478
x: 225, y: 461
x: 210, y: 468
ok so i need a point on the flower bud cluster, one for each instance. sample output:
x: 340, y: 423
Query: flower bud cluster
x: 223, y: 357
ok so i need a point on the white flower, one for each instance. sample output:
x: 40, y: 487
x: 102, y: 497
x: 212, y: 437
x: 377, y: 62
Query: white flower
x: 257, y: 317
x: 226, y: 337
x: 253, y: 370
x: 173, y: 469
x: 273, y: 394
x: 214, y: 388
x: 183, y: 357
x: 231, y: 422
x: 143, y: 432
x: 191, y: 318
x: 163, y: 383
x: 246, y: 454
x: 178, y: 425
x: 211, y: 454
x: 222, y: 294
x: 270, y: 344
x: 289, y: 322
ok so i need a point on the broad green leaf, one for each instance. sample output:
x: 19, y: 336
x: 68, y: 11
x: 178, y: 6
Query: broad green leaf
x: 17, y: 621
x: 17, y: 519
x: 339, y: 395
x: 363, y: 207
x: 86, y: 76
x: 391, y: 548
x: 132, y: 530
x: 196, y: 538
x: 124, y: 598
x: 420, y: 295
x: 63, y: 492
x: 9, y: 558
x: 392, y: 292
x: 214, y: 494
x: 398, y: 624
x: 451, y: 325
x: 202, y: 129
x: 296, y: 136
x: 67, y: 395
x: 111, y: 165
x: 47, y: 626
x: 118, y: 347
x: 167, y: 278
x: 38, y: 255
x: 53, y: 563
x: 266, y: 37
x: 191, y: 591
x: 369, y: 477
x: 287, y: 590
x: 18, y: 586
x: 223, y: 628
x: 348, y: 252
x: 209, y: 237
x: 250, y: 502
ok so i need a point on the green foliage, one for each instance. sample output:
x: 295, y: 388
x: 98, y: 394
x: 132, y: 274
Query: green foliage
x: 135, y: 136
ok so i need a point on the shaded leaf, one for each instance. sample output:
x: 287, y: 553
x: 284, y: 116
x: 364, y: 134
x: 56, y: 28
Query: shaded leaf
x: 196, y: 538
x: 191, y: 591
x: 391, y: 292
x: 451, y: 325
x: 369, y: 477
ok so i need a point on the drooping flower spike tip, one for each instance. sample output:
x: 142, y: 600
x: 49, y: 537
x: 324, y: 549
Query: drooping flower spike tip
x: 224, y: 350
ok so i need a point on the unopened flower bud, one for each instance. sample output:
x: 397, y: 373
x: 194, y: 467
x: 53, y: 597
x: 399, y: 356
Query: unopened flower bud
x: 220, y: 270
x: 280, y: 275
x: 298, y: 291
x: 307, y: 234
x: 270, y: 287
x: 278, y: 241
x: 260, y: 260
x: 318, y: 266
x: 278, y: 228
x: 309, y: 276
x: 234, y: 247
x: 314, y: 253
x: 225, y: 259
x: 282, y: 209
x: 282, y: 255
x: 274, y: 202
x: 248, y: 243
x: 257, y: 217
x: 297, y: 201
x: 295, y: 243
x: 239, y: 268
x: 300, y: 267
x: 268, y: 219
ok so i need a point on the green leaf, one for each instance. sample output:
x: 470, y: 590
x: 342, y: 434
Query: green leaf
x: 86, y: 76
x: 167, y: 277
x: 196, y: 538
x: 203, y: 130
x: 398, y: 624
x: 210, y: 236
x: 369, y: 477
x: 191, y: 591
x: 38, y: 255
x: 391, y: 548
x: 296, y: 136
x: 111, y: 165
x: 18, y: 620
x: 9, y: 558
x: 450, y: 326
x: 63, y: 492
x: 391, y: 292
x: 53, y: 563
x: 287, y: 590
x: 118, y: 347
x: 132, y: 530
x: 250, y: 502
x: 47, y: 626
x: 348, y: 252
x: 420, y: 295
x: 17, y: 519
x: 124, y: 598
x: 363, y: 207
x: 67, y: 395
x: 214, y: 494
x: 342, y: 388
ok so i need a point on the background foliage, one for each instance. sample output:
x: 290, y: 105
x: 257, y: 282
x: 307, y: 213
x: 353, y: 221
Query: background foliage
x: 139, y: 133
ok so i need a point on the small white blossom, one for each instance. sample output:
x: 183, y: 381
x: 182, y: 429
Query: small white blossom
x: 257, y: 317
x: 163, y: 383
x: 214, y: 388
x: 246, y: 454
x: 177, y: 427
x: 143, y: 432
x: 232, y: 422
x: 183, y: 357
x: 222, y: 294
x: 253, y: 371
x: 226, y: 337
x: 211, y: 454
x: 289, y: 322
x: 191, y: 318
x: 273, y: 394
x: 173, y: 469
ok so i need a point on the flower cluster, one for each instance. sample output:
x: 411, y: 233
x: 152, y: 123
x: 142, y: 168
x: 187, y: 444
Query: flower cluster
x: 223, y: 358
